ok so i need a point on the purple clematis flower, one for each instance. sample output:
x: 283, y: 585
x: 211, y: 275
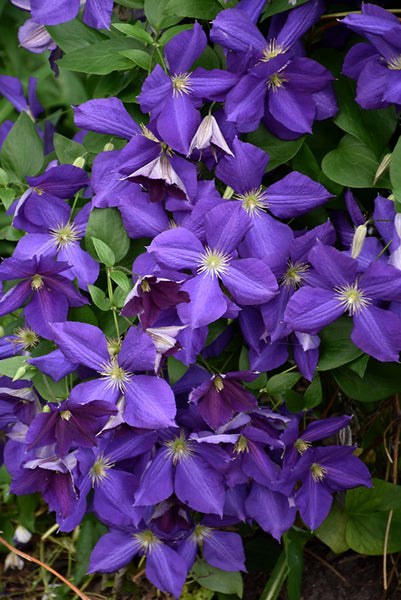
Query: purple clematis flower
x: 323, y: 471
x: 173, y: 99
x: 50, y: 294
x: 164, y: 566
x: 249, y: 280
x: 376, y: 66
x: 336, y: 289
x: 149, y: 400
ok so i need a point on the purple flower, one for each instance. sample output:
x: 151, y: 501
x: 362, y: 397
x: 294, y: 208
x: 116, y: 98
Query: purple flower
x: 149, y: 401
x: 336, y: 289
x: 164, y: 566
x: 249, y: 280
x: 50, y: 294
x: 376, y: 66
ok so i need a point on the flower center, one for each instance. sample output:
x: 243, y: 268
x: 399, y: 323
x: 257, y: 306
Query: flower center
x: 36, y: 282
x: 64, y: 235
x: 351, y: 298
x: 27, y: 338
x: 113, y: 346
x: 275, y: 82
x: 145, y: 286
x: 116, y: 376
x: 302, y: 445
x: 294, y: 274
x: 65, y: 415
x: 213, y: 262
x: 181, y: 84
x: 179, y: 449
x: 147, y: 540
x: 253, y: 201
x: 272, y: 50
x: 394, y: 63
x: 98, y: 472
x: 218, y: 383
x: 318, y: 472
x: 200, y: 533
x: 242, y: 445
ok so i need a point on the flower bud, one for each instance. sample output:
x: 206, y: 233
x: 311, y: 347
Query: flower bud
x: 358, y: 240
x: 13, y: 561
x: 22, y: 535
x: 79, y: 162
x: 384, y: 165
x: 108, y: 147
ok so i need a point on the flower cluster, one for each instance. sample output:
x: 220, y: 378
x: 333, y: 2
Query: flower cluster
x: 169, y: 462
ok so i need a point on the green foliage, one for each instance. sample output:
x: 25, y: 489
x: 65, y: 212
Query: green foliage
x: 19, y: 158
x: 215, y: 579
x: 353, y: 164
x: 279, y: 151
x: 105, y: 224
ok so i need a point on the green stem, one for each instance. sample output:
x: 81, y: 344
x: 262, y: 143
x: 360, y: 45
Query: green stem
x: 111, y: 298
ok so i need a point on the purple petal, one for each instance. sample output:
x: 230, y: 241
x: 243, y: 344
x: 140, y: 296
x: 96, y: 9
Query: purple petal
x: 224, y: 550
x: 295, y: 195
x: 81, y: 343
x: 244, y: 171
x: 166, y: 569
x: 97, y: 13
x: 199, y: 486
x: 311, y: 309
x: 149, y: 403
x: 280, y: 515
x: 208, y: 302
x: 183, y: 49
x: 226, y: 225
x: 157, y: 481
x: 112, y: 552
x: 54, y: 12
x: 250, y: 281
x: 378, y: 333
x: 106, y: 115
x: 177, y: 122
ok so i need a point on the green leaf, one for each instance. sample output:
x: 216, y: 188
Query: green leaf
x: 135, y: 31
x: 122, y: 280
x: 336, y: 348
x: 104, y: 252
x: 156, y: 14
x: 22, y: 150
x: 52, y: 391
x: 201, y: 9
x: 368, y: 510
x: 332, y: 531
x: 395, y: 174
x: 305, y: 162
x: 106, y: 225
x: 176, y: 369
x: 313, y: 394
x: 67, y: 150
x: 380, y: 381
x: 294, y: 401
x: 74, y: 35
x: 99, y: 298
x: 7, y: 196
x: 26, y: 510
x: 353, y: 164
x: 279, y: 151
x: 278, y: 6
x: 101, y: 58
x: 294, y: 542
x: 359, y: 365
x: 276, y: 579
x: 279, y: 384
x: 16, y: 367
x: 216, y: 579
x: 90, y: 531
x: 373, y: 128
x: 139, y: 57
x: 3, y: 178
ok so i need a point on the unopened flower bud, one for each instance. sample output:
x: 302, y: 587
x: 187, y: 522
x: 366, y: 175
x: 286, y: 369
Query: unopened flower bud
x: 228, y: 193
x: 13, y: 561
x: 384, y: 165
x: 358, y: 240
x: 108, y: 147
x: 209, y: 134
x: 79, y: 162
x: 22, y: 535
